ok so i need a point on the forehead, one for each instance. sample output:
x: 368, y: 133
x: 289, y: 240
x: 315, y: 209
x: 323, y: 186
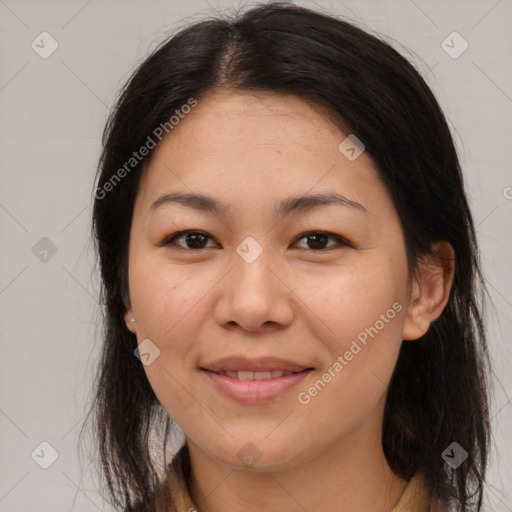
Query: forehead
x: 234, y: 124
x: 253, y: 146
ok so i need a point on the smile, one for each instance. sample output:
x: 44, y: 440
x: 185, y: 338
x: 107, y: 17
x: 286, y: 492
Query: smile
x: 247, y: 375
x: 251, y: 388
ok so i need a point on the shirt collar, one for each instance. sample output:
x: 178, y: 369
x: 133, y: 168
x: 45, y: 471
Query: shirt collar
x: 174, y: 496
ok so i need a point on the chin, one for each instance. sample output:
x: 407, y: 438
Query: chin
x: 259, y: 455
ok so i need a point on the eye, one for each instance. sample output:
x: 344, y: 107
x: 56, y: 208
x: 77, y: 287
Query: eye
x: 318, y: 239
x: 196, y: 239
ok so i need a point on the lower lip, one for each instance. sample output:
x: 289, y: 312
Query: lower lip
x: 255, y: 391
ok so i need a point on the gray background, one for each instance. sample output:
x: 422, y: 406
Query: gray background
x: 52, y: 115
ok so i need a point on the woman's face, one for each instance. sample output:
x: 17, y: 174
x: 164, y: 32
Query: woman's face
x: 268, y: 281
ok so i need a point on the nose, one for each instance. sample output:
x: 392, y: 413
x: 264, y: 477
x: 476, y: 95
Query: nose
x: 255, y: 296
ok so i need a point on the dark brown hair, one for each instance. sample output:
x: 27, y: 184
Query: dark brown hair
x: 438, y: 392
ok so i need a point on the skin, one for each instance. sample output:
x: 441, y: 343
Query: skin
x: 294, y: 301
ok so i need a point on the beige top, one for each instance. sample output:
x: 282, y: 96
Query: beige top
x: 414, y: 499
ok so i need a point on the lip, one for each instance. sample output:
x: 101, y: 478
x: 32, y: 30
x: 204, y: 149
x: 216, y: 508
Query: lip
x: 264, y: 364
x: 252, y: 392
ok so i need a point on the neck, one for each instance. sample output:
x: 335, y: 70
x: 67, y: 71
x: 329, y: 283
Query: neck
x: 351, y: 476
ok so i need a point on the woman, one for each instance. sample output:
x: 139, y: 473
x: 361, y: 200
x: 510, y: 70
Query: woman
x: 290, y: 273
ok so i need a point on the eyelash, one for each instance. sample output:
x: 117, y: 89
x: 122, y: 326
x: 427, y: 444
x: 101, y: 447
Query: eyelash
x: 169, y: 240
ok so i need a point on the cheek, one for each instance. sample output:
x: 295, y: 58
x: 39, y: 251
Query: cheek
x: 164, y: 296
x: 169, y: 304
x: 351, y: 299
x: 363, y: 309
x: 166, y: 302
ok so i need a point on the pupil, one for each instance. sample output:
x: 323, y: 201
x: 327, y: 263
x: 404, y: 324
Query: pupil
x: 192, y: 238
x: 312, y: 238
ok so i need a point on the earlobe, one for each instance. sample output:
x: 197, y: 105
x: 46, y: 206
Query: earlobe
x: 430, y: 290
x: 130, y: 321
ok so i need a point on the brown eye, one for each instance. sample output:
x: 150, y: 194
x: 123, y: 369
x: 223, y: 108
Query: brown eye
x: 196, y: 240
x: 318, y: 240
x: 191, y: 239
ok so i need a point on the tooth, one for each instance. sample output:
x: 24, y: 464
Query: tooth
x: 262, y: 375
x: 245, y: 375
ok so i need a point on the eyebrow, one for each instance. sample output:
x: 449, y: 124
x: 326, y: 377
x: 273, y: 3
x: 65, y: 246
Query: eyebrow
x: 300, y: 204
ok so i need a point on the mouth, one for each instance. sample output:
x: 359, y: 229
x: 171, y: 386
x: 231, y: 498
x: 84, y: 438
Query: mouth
x: 248, y: 375
x: 262, y: 365
x: 254, y: 381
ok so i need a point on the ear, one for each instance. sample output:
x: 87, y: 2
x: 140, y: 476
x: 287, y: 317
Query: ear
x: 130, y: 321
x: 430, y: 290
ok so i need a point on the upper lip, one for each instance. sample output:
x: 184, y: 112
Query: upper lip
x: 264, y: 364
